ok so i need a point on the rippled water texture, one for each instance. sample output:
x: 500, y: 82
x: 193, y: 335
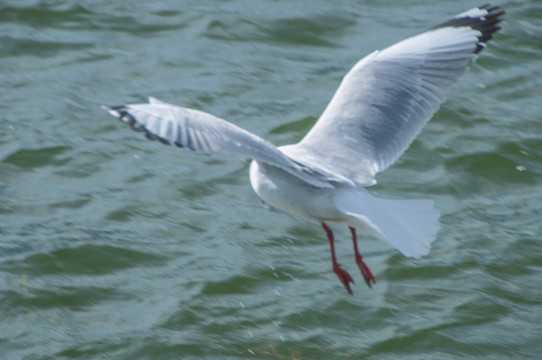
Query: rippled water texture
x: 114, y: 247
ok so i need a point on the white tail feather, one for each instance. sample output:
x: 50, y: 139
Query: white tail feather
x: 409, y: 225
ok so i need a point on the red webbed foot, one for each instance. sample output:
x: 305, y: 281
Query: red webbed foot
x: 367, y: 274
x: 345, y: 277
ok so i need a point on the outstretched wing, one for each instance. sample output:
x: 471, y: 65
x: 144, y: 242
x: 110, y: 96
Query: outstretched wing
x: 388, y: 96
x: 205, y: 133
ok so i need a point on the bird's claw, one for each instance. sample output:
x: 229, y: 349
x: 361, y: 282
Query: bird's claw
x: 345, y: 278
x: 367, y: 274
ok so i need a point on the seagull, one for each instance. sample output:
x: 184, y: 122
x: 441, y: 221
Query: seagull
x: 379, y: 108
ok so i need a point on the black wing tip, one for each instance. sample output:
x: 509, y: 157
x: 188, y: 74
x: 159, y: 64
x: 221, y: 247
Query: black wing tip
x: 487, y: 24
x: 122, y: 114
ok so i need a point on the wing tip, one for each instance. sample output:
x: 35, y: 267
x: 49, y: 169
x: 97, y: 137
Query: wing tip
x: 121, y: 112
x: 485, y: 19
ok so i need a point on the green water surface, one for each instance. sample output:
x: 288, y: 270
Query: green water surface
x: 115, y: 247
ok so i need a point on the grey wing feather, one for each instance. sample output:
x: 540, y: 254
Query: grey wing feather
x: 387, y: 97
x: 205, y: 133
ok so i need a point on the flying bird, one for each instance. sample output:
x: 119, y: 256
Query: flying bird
x: 379, y: 108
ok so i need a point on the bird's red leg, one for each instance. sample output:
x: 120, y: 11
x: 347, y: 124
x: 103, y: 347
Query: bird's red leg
x: 345, y: 277
x: 367, y: 275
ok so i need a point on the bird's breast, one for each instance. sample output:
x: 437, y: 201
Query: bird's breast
x: 287, y: 192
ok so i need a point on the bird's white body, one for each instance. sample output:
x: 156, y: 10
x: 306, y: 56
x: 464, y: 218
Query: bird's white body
x: 292, y: 195
x: 379, y: 108
x: 408, y: 225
